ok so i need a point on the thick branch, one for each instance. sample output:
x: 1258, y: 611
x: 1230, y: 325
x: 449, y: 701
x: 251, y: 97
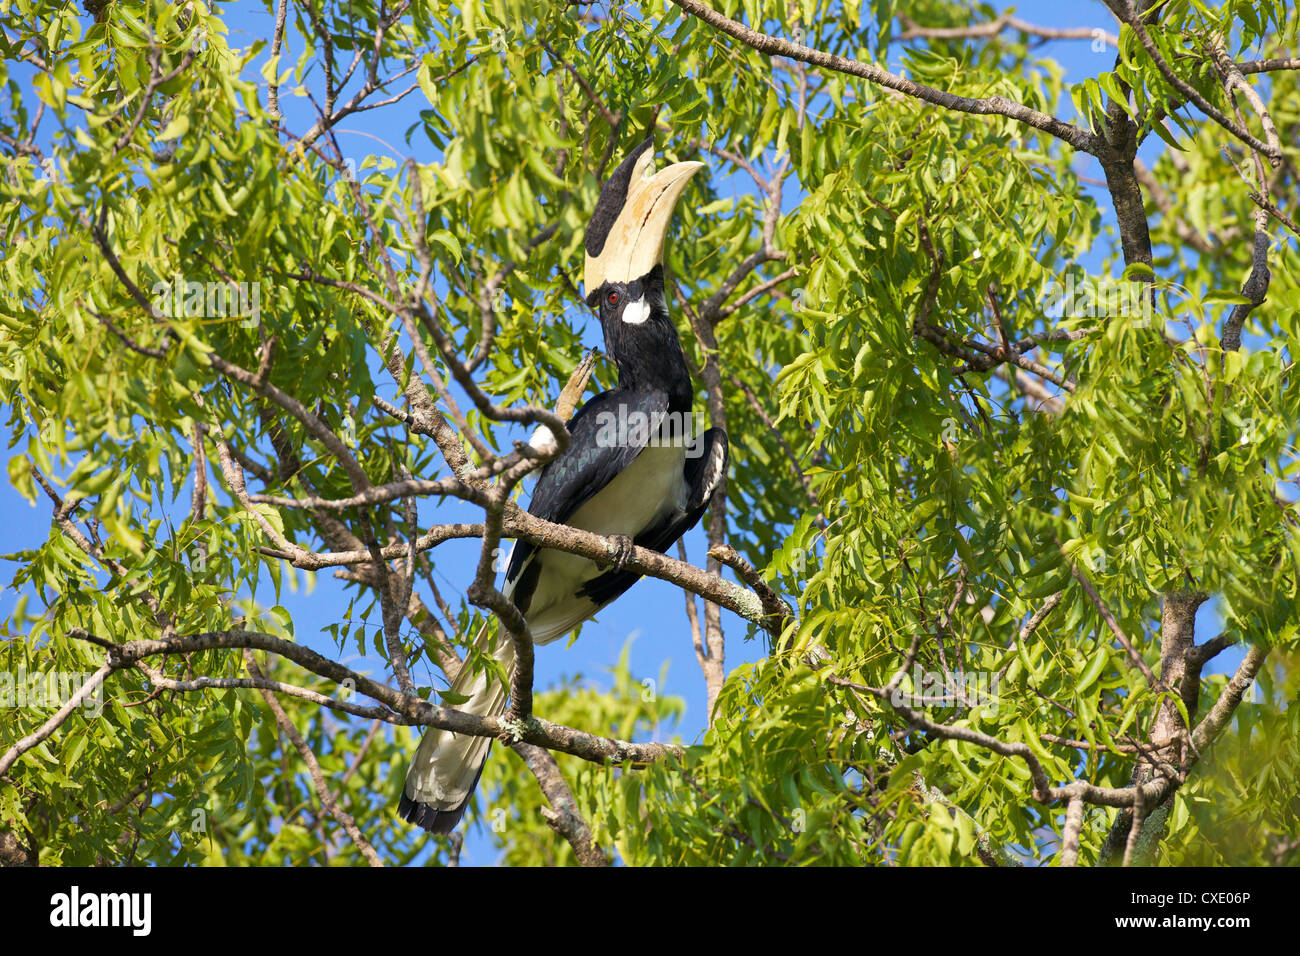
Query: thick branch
x: 562, y: 816
x: 399, y: 708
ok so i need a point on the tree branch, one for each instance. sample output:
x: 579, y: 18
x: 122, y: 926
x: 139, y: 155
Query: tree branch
x: 995, y: 105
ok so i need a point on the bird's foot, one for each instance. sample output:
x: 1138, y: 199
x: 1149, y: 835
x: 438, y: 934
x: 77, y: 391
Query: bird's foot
x: 623, y: 548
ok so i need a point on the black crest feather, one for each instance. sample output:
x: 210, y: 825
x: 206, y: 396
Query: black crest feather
x: 612, y: 197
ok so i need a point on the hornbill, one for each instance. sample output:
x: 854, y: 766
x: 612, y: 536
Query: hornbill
x: 631, y: 472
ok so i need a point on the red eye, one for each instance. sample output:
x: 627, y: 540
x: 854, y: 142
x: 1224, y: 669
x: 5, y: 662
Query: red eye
x: 612, y: 297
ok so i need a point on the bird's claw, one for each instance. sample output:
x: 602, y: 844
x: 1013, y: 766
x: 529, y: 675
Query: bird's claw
x: 623, y: 548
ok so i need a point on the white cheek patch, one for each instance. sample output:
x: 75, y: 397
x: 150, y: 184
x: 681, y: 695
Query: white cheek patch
x: 634, y: 313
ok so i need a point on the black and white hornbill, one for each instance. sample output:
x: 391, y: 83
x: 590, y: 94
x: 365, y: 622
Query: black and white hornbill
x: 630, y: 471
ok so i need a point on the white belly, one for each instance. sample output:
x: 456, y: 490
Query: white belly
x: 652, y: 486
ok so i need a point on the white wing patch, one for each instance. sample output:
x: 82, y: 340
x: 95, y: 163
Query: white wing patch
x: 715, y: 466
x: 634, y: 313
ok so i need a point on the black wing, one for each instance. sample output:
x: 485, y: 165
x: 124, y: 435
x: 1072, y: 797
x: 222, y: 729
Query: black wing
x: 598, y: 451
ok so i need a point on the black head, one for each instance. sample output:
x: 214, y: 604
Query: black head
x: 641, y: 338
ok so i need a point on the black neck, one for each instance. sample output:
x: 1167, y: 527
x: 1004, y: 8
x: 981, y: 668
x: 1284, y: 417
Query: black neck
x: 649, y: 354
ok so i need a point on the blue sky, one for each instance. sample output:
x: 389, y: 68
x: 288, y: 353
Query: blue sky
x: 651, y: 615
